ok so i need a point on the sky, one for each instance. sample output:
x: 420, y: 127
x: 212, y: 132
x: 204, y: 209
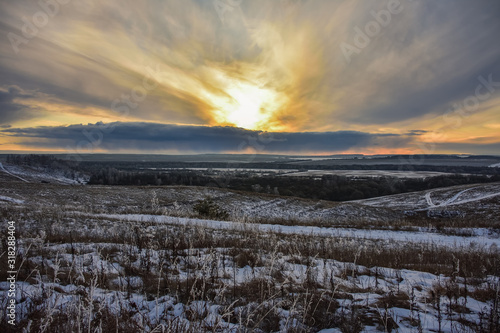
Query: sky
x: 250, y: 76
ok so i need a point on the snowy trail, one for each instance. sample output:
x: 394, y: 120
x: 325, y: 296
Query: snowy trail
x: 7, y: 172
x: 486, y: 196
x: 9, y: 199
x: 455, y: 197
x: 386, y: 235
x: 453, y: 200
x: 429, y: 200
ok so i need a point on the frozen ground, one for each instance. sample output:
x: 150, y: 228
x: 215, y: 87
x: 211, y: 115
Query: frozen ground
x: 320, y: 173
x: 477, y: 235
x: 367, y: 173
x: 31, y: 174
x: 2, y: 169
x: 140, y: 259
x: 450, y: 196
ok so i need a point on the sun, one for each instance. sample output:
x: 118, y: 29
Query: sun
x: 247, y: 106
x: 251, y: 106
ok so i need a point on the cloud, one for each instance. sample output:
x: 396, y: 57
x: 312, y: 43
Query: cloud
x: 429, y: 56
x: 470, y: 148
x: 416, y: 132
x: 176, y: 138
x: 11, y: 107
x: 266, y: 65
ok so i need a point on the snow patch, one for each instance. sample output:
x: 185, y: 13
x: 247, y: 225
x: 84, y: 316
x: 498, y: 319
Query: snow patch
x: 8, y: 199
x: 9, y: 173
x: 407, y: 236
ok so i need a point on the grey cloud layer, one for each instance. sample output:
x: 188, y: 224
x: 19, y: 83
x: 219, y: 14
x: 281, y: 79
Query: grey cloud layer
x: 91, y: 52
x: 161, y: 137
x: 10, y: 108
x: 427, y: 57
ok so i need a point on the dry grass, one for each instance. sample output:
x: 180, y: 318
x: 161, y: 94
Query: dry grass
x: 208, y: 278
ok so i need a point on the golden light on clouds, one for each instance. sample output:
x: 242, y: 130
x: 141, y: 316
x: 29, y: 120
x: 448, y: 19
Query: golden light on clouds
x: 244, y: 102
x: 273, y: 66
x: 249, y: 107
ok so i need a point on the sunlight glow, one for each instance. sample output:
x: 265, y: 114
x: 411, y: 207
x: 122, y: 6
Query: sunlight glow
x: 247, y: 106
x: 251, y: 104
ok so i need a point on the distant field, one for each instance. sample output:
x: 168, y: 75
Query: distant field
x: 405, y: 161
x: 367, y: 173
x: 317, y: 173
x: 251, y: 170
x: 435, y: 160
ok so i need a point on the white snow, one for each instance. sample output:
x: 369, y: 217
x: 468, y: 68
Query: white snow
x: 428, y: 199
x: 455, y: 197
x: 9, y: 173
x: 362, y: 286
x: 8, y: 199
x: 406, y: 236
x: 32, y: 174
x: 438, y: 198
x: 453, y: 200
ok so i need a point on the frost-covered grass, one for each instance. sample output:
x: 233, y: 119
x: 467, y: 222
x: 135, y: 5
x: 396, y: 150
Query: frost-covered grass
x: 89, y: 272
x: 408, y: 212
x: 29, y: 174
x: 140, y: 259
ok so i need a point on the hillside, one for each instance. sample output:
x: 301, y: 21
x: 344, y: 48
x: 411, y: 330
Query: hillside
x: 148, y: 256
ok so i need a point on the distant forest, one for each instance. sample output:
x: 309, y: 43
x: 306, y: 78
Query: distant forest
x: 481, y: 170
x: 48, y: 164
x: 328, y: 187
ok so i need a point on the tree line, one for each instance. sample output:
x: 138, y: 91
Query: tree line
x: 328, y: 187
x: 49, y: 164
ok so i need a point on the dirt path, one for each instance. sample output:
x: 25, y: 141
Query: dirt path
x: 11, y: 174
x: 429, y: 200
x: 453, y: 200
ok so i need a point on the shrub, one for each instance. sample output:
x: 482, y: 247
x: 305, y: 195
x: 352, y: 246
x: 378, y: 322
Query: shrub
x: 209, y: 209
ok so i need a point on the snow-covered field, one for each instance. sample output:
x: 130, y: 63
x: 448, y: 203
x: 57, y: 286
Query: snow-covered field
x: 30, y: 174
x: 319, y: 173
x: 140, y: 259
x: 477, y: 235
x: 445, y: 197
x: 367, y: 173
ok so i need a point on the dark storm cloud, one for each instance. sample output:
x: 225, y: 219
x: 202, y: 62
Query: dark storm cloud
x: 10, y: 108
x: 162, y: 137
x: 413, y: 70
x: 429, y: 56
